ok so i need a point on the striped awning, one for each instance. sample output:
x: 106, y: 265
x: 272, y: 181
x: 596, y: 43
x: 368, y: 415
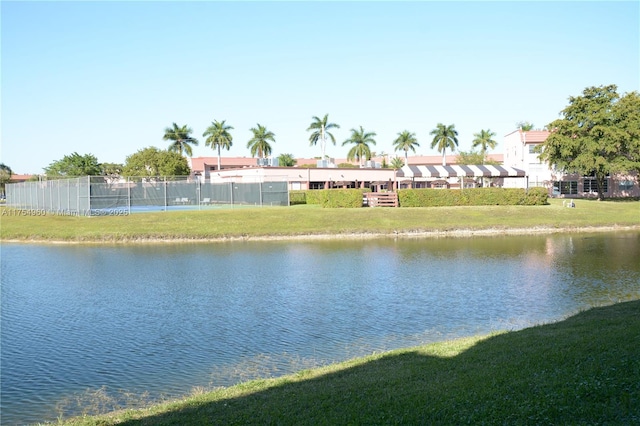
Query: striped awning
x: 458, y: 171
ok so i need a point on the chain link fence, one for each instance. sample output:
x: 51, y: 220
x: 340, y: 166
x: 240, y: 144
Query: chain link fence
x: 100, y: 195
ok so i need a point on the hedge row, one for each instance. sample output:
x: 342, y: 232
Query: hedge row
x: 352, y: 198
x: 536, y: 197
x: 297, y: 196
x: 472, y: 197
x: 334, y: 198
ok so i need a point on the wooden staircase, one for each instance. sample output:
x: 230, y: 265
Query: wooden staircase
x: 381, y: 199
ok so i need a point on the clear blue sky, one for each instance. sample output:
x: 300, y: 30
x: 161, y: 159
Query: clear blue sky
x: 106, y: 78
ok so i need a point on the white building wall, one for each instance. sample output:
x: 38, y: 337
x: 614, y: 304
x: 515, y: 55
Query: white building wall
x: 519, y: 153
x: 513, y: 150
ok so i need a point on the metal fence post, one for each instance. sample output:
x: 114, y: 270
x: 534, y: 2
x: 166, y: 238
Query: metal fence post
x: 89, y: 193
x: 198, y: 191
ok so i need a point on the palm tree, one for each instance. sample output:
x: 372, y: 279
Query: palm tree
x: 525, y: 126
x: 406, y: 141
x: 444, y: 137
x: 219, y: 137
x: 286, y: 160
x: 397, y: 163
x: 259, y: 143
x: 361, y: 140
x: 181, y: 139
x: 484, y: 140
x: 320, y: 131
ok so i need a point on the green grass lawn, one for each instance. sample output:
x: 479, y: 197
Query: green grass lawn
x: 313, y: 220
x: 582, y: 370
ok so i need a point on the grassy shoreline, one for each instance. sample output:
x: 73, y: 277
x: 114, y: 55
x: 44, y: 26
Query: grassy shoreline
x: 584, y: 369
x: 456, y: 233
x: 306, y: 222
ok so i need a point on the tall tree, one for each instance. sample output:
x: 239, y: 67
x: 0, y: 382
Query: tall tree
x: 598, y: 134
x: 444, y: 137
x: 404, y: 142
x: 628, y: 111
x: 259, y: 143
x: 74, y: 165
x: 5, y: 176
x: 111, y: 171
x: 360, y: 141
x: 181, y: 139
x: 320, y: 128
x: 469, y: 157
x: 485, y: 141
x: 151, y: 163
x: 218, y: 137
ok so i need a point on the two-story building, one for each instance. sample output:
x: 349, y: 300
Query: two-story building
x: 520, y: 152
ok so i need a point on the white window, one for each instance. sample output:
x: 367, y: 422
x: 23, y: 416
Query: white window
x: 590, y: 184
x: 316, y: 185
x: 625, y: 185
x: 565, y: 187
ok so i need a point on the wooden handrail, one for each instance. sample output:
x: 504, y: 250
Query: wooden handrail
x: 381, y: 199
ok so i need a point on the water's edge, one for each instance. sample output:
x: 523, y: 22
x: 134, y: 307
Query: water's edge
x: 451, y: 233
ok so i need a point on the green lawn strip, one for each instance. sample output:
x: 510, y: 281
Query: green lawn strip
x: 313, y: 220
x: 582, y: 370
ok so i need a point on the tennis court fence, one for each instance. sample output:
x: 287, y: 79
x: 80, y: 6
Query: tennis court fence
x: 101, y: 195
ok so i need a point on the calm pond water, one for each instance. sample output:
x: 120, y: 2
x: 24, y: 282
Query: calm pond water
x: 88, y: 324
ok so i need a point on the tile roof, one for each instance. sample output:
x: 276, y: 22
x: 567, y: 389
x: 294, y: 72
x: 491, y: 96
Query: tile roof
x: 532, y: 136
x: 535, y: 136
x: 20, y: 178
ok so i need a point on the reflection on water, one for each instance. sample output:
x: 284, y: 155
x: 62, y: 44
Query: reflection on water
x: 155, y: 320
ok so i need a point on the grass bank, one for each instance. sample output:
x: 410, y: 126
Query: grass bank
x: 582, y: 370
x: 297, y: 221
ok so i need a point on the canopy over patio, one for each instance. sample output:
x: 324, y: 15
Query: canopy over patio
x: 458, y: 171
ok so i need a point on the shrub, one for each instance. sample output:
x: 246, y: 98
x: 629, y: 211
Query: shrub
x: 315, y: 196
x: 328, y: 197
x: 495, y: 196
x: 537, y: 196
x: 297, y: 197
x: 429, y: 197
x: 342, y: 198
x: 471, y: 197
